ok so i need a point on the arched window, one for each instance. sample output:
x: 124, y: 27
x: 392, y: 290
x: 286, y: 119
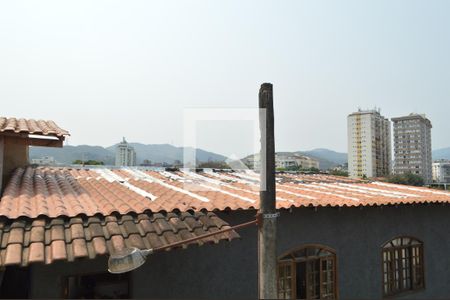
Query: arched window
x: 307, y: 273
x: 402, y: 265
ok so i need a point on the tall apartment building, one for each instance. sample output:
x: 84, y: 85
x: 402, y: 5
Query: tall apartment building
x: 441, y: 171
x: 125, y: 154
x: 412, y: 146
x: 369, y: 144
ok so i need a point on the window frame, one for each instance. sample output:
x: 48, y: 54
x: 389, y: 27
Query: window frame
x: 409, y: 247
x: 293, y: 262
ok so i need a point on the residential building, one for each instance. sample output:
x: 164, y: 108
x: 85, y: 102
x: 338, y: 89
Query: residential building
x: 337, y: 238
x: 146, y: 163
x: 292, y: 160
x: 125, y: 154
x: 284, y: 160
x: 412, y: 146
x: 369, y: 144
x: 70, y: 245
x: 46, y: 160
x: 252, y: 161
x: 306, y: 162
x: 343, y: 167
x: 441, y: 171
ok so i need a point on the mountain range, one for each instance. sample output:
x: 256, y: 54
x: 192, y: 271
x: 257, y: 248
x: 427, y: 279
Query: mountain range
x: 160, y: 153
x: 327, y: 158
x: 443, y: 153
x: 156, y: 153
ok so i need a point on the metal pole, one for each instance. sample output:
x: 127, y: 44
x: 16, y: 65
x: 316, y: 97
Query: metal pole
x: 267, y: 226
x: 190, y: 240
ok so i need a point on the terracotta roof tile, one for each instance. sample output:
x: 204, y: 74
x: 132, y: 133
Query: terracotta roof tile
x: 37, y: 234
x: 76, y: 231
x: 13, y: 254
x: 58, y: 250
x: 79, y: 248
x: 46, y: 240
x: 30, y: 126
x: 99, y: 246
x: 54, y: 192
x: 36, y: 252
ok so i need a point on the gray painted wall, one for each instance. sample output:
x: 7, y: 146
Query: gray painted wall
x: 229, y: 270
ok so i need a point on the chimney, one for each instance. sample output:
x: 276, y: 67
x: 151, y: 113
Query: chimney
x: 2, y: 147
x: 16, y: 135
x: 14, y: 154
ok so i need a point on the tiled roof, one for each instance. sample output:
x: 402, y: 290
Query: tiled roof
x: 49, y: 213
x: 54, y: 192
x: 43, y: 240
x: 30, y: 126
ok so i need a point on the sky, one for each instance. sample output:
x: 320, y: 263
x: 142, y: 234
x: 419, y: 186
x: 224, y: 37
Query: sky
x: 108, y: 69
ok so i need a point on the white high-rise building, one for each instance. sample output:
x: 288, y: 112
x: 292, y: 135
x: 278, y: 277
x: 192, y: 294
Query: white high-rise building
x: 412, y: 146
x: 125, y: 154
x: 369, y: 144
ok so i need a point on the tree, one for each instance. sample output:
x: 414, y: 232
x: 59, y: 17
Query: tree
x: 339, y: 173
x: 89, y: 162
x: 298, y: 169
x: 214, y: 165
x: 406, y: 179
x: 292, y: 168
x: 313, y: 170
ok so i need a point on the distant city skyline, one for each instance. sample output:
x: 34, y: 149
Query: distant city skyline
x: 133, y: 71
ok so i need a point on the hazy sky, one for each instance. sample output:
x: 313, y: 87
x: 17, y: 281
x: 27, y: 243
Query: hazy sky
x: 107, y: 69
